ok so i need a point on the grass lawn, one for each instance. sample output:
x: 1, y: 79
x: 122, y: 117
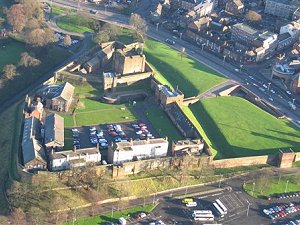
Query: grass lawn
x: 296, y: 164
x: 10, y: 52
x: 88, y: 89
x: 163, y: 124
x: 68, y: 140
x: 189, y: 75
x: 237, y: 128
x: 277, y: 186
x: 93, y: 112
x: 50, y: 56
x: 103, y: 219
x: 74, y: 23
x: 126, y: 36
x: 9, y: 130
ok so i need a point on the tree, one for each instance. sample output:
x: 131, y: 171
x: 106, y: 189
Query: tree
x: 138, y: 23
x: 33, y: 9
x: 27, y: 60
x: 10, y: 71
x: 40, y: 37
x: 253, y: 16
x: 36, y: 215
x: 101, y: 37
x: 111, y: 29
x: 16, y: 17
x: 18, y: 217
x: 182, y: 53
x: 67, y: 40
x: 32, y: 24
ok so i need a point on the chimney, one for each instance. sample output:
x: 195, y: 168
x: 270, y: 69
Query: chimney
x: 166, y: 138
x: 52, y: 151
x: 97, y: 146
x: 74, y: 148
x: 131, y: 141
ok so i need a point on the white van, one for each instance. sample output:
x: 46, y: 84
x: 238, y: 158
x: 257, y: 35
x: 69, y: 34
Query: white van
x: 122, y: 221
x: 191, y: 204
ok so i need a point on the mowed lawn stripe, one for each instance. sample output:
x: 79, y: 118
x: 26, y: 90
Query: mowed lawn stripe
x: 237, y: 128
x: 192, y: 77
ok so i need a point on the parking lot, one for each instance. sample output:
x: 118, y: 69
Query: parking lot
x: 90, y: 136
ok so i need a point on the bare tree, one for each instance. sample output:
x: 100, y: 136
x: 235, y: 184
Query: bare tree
x: 138, y: 23
x: 253, y: 16
x: 18, y: 217
x: 111, y: 29
x: 10, y: 71
x: 102, y: 36
x: 28, y: 60
x: 33, y: 9
x: 67, y: 40
x: 40, y: 37
x: 36, y: 215
x: 182, y: 53
x: 16, y: 17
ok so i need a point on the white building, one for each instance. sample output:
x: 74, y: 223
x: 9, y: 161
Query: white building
x: 134, y: 150
x: 73, y: 158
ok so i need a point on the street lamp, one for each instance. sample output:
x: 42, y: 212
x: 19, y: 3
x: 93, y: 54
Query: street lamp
x: 293, y: 101
x: 248, y: 207
x: 157, y: 26
x: 180, y: 34
x: 269, y: 84
x: 224, y: 58
x: 253, y: 188
x: 220, y: 181
x: 286, y: 186
x: 203, y: 46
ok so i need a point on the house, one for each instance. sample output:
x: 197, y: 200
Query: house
x: 234, y: 7
x: 295, y: 84
x: 54, y: 132
x: 33, y: 152
x: 136, y: 150
x: 296, y: 14
x: 200, y: 24
x: 267, y: 40
x: 58, y: 97
x: 64, y: 160
x: 188, y: 146
x: 280, y: 8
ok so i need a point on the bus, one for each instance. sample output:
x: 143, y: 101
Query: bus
x: 186, y: 200
x: 203, y: 216
x: 218, y: 210
x: 222, y: 206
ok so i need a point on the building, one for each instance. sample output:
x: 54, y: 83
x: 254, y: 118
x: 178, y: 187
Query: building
x: 136, y: 150
x: 74, y: 158
x: 101, y: 58
x: 266, y: 43
x: 128, y: 61
x: 33, y: 152
x: 280, y: 8
x: 243, y: 33
x: 165, y: 96
x: 54, y: 132
x: 293, y: 29
x: 58, y: 97
x: 234, y: 7
x: 200, y: 24
x: 295, y: 84
x: 283, y: 71
x: 182, y: 147
x: 284, y: 40
x: 296, y: 14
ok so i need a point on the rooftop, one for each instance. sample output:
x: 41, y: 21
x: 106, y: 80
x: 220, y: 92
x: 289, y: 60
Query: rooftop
x: 64, y: 90
x: 126, y: 146
x: 76, y: 153
x: 54, y: 129
x: 246, y: 28
x: 168, y: 92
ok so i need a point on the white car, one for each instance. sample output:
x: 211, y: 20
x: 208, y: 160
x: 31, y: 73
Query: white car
x: 265, y: 86
x: 272, y: 91
x: 271, y: 99
x: 288, y: 92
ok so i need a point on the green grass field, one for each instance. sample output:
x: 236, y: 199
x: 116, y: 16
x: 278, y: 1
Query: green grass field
x: 9, y: 130
x: 10, y: 51
x: 74, y: 23
x: 93, y: 112
x: 108, y: 217
x: 163, y: 124
x: 277, y: 186
x: 189, y: 75
x: 237, y: 128
x: 50, y: 56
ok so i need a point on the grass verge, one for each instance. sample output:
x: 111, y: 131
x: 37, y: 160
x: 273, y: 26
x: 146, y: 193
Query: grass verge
x: 75, y: 23
x: 108, y: 217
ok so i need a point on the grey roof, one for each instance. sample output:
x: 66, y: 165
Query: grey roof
x: 31, y: 147
x: 126, y: 146
x: 54, y: 129
x: 245, y: 28
x: 64, y: 90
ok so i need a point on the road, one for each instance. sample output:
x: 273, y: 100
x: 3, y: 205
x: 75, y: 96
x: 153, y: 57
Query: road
x: 259, y: 85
